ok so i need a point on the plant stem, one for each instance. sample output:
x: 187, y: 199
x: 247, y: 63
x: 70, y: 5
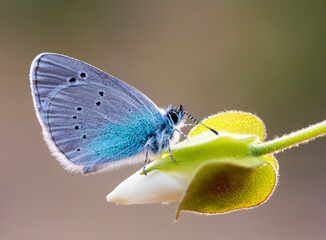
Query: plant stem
x: 290, y: 140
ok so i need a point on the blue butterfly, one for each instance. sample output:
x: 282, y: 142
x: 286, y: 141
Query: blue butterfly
x: 92, y: 121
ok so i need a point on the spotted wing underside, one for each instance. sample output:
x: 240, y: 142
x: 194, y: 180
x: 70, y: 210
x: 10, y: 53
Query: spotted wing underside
x: 90, y: 119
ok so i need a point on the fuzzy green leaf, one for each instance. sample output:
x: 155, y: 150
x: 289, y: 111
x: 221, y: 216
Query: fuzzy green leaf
x: 233, y: 122
x: 204, y: 147
x: 226, y: 185
x: 221, y: 186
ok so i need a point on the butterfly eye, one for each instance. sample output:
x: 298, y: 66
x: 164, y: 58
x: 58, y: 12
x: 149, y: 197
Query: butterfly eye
x: 174, y: 117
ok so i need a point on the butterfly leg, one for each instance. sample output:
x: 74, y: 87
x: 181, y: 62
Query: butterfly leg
x: 179, y: 131
x: 146, y: 159
x: 168, y: 142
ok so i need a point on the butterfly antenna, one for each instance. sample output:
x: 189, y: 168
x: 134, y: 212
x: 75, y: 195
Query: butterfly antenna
x: 195, y: 120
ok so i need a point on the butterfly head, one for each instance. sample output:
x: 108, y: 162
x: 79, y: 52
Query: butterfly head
x: 174, y: 115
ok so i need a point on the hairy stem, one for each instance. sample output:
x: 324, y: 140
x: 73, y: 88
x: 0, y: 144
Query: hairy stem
x: 287, y: 141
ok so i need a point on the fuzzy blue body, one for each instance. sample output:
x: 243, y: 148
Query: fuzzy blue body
x: 91, y: 119
x: 115, y: 141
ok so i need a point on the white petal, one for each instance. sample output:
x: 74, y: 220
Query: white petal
x: 156, y: 187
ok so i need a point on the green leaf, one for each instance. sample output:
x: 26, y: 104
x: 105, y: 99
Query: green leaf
x: 201, y: 148
x: 222, y: 185
x: 233, y: 122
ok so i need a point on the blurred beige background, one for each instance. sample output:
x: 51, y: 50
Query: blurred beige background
x: 264, y: 57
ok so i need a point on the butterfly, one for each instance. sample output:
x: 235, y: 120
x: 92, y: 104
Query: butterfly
x: 92, y: 121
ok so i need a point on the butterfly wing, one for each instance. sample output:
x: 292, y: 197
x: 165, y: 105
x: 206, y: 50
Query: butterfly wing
x: 91, y: 120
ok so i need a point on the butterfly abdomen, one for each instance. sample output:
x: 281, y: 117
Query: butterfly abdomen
x: 124, y: 140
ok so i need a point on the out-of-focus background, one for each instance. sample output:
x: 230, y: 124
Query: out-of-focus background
x: 264, y: 57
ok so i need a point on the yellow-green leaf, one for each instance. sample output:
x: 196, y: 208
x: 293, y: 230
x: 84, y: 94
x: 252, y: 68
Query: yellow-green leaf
x: 219, y: 186
x: 224, y: 186
x: 201, y: 148
x: 233, y: 122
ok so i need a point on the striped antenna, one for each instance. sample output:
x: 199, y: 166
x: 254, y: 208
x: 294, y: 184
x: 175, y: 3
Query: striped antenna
x: 183, y: 112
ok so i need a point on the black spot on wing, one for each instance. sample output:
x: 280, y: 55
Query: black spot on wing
x: 72, y: 80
